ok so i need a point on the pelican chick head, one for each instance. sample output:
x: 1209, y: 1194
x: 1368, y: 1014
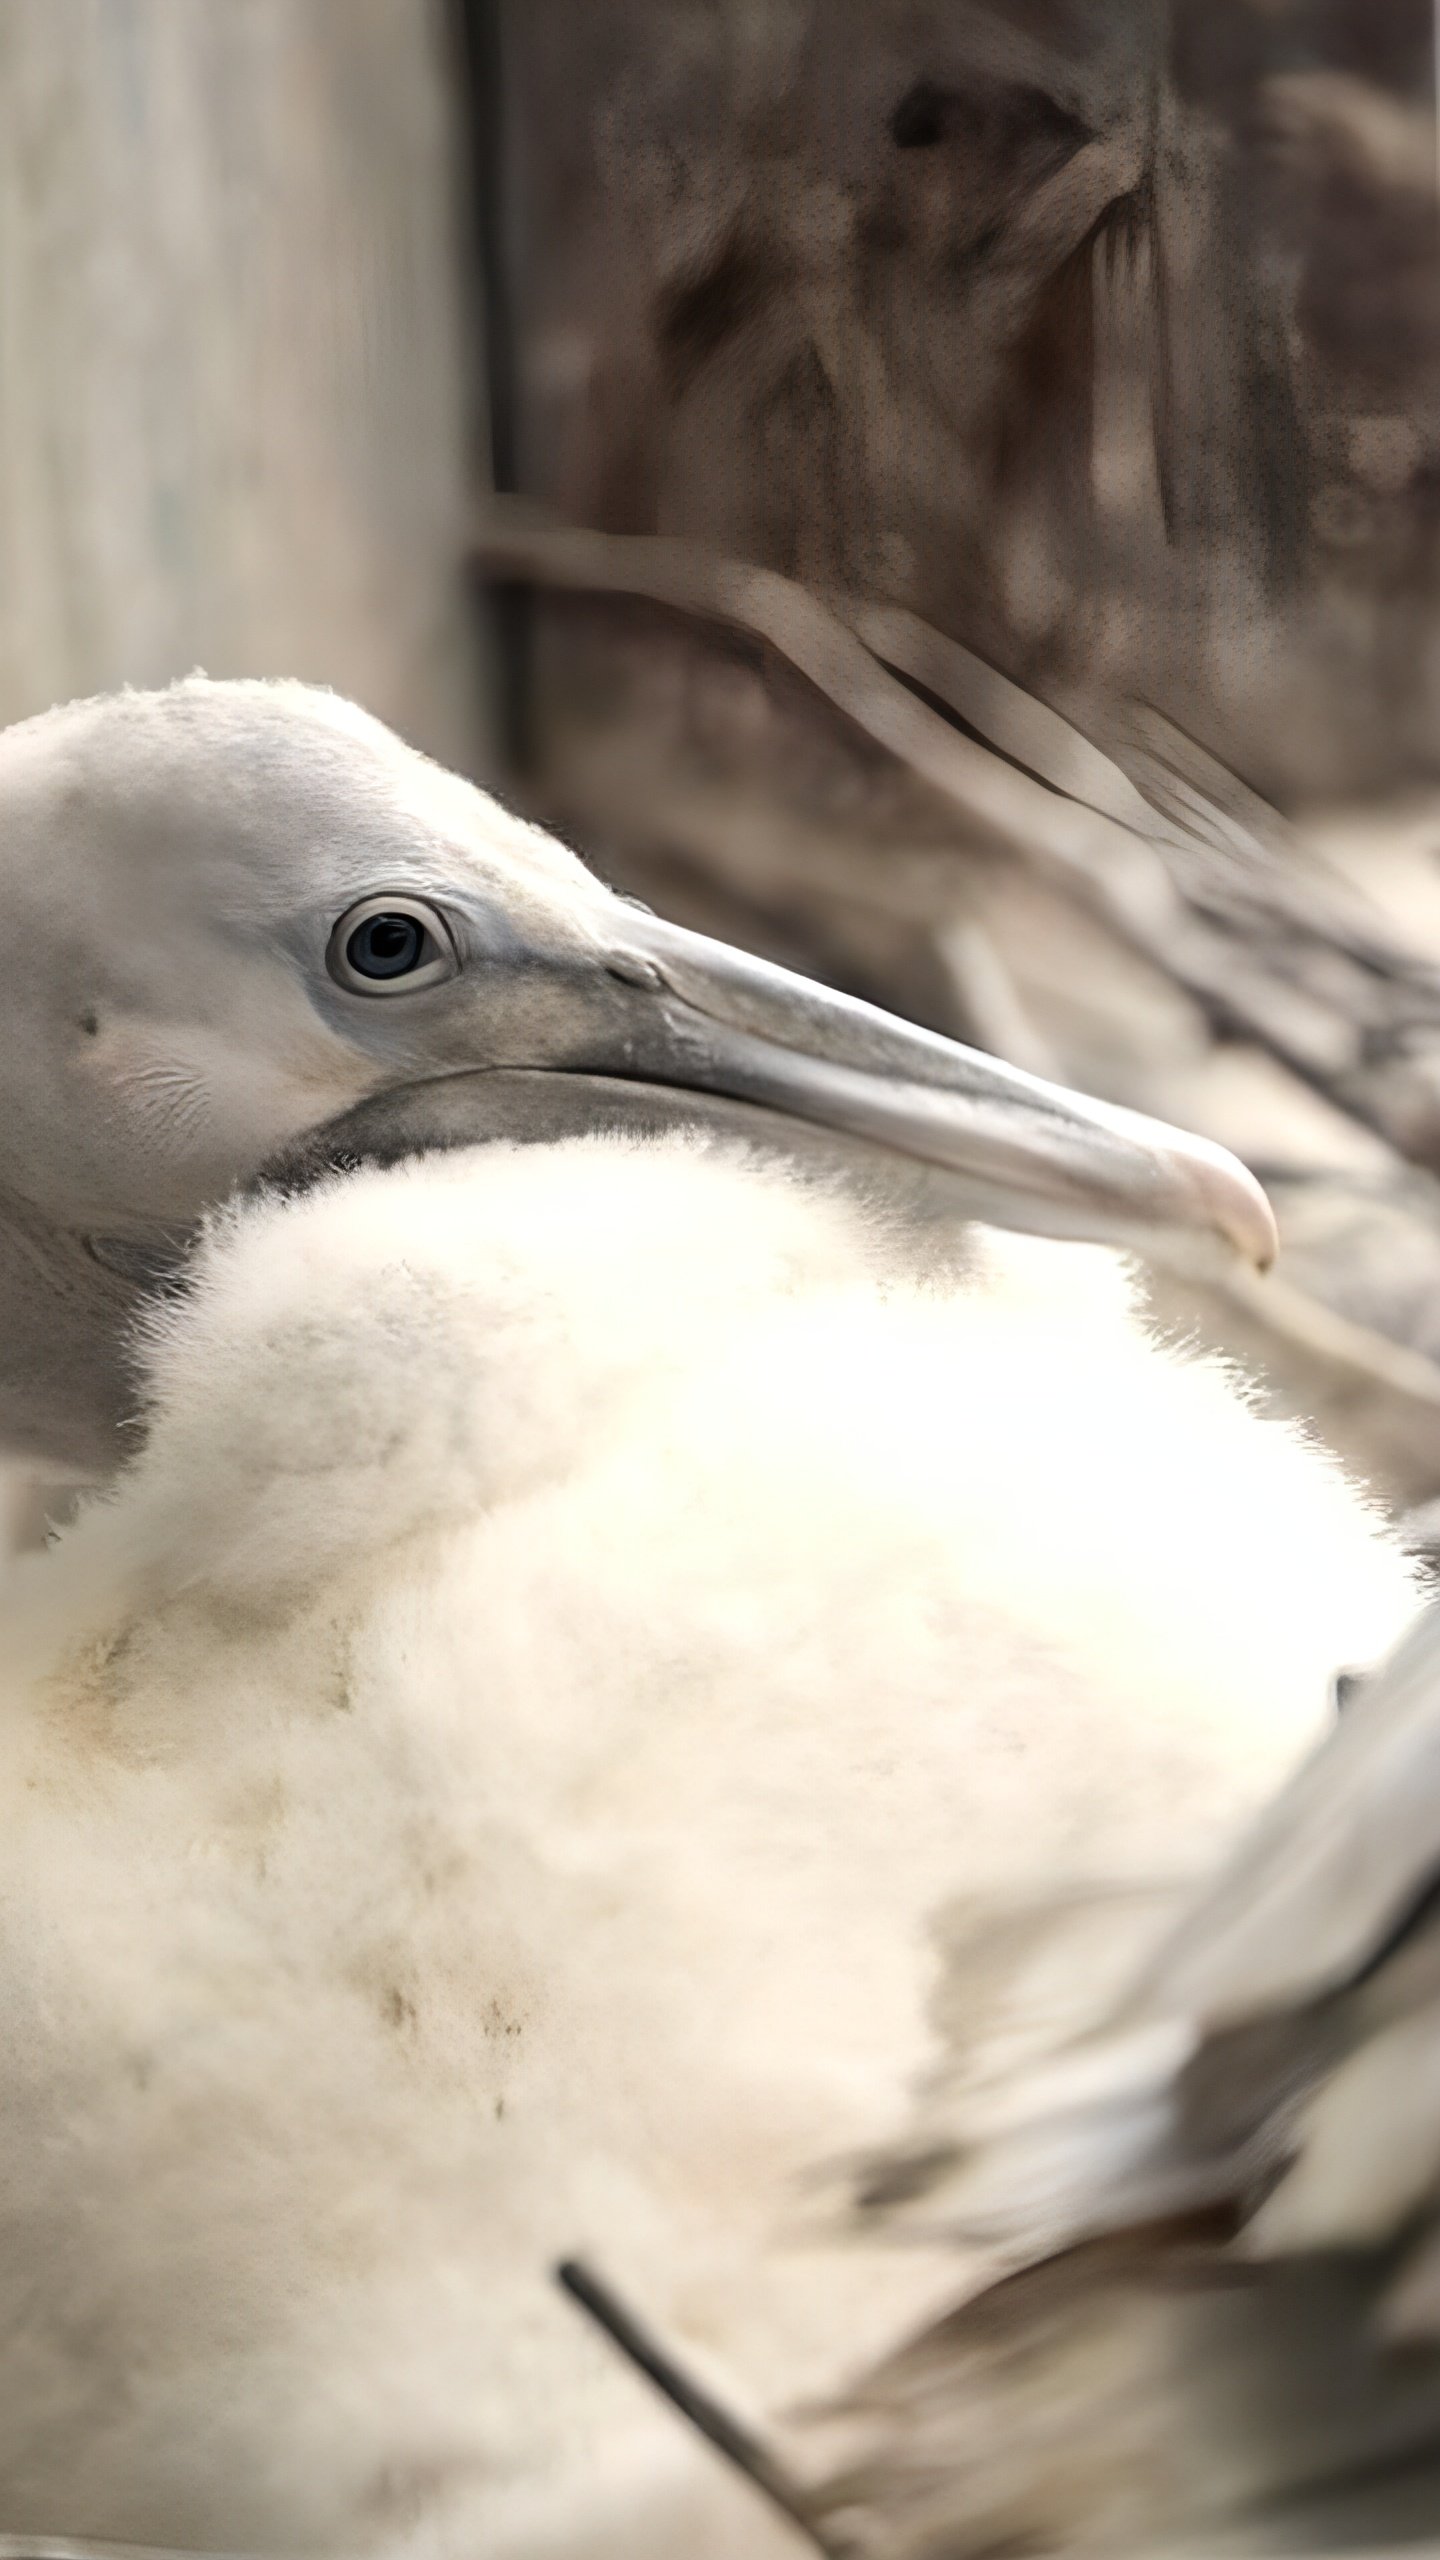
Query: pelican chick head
x: 238, y: 913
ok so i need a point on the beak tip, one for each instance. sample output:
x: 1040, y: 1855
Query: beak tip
x: 1237, y: 1208
x: 1260, y: 1239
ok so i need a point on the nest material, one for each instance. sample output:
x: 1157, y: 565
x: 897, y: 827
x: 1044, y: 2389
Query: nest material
x: 861, y: 796
x: 972, y: 438
x: 1106, y: 340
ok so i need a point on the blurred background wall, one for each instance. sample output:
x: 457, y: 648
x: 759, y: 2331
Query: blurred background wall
x: 238, y: 372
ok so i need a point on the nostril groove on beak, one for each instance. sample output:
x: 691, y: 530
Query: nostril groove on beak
x: 633, y: 969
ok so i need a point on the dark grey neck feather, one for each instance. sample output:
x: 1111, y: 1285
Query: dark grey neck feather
x: 68, y: 1306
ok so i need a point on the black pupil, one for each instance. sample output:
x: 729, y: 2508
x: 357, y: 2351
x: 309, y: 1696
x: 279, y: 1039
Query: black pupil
x: 385, y: 946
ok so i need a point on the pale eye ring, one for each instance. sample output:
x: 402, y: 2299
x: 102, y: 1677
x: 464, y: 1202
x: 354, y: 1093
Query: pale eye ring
x: 390, y: 946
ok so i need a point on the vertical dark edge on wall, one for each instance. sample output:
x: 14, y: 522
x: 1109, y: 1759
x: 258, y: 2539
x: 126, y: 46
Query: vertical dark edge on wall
x: 480, y: 52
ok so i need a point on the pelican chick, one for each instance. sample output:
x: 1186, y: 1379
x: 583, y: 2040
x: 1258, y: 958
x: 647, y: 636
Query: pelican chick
x: 481, y: 1790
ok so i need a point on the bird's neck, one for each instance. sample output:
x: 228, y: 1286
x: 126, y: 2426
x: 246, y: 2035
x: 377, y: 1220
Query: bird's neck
x: 66, y: 1311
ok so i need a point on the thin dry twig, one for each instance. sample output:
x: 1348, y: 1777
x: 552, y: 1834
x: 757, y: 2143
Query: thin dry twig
x: 735, y: 2443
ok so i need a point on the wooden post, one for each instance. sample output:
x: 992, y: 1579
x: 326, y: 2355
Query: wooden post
x: 236, y: 385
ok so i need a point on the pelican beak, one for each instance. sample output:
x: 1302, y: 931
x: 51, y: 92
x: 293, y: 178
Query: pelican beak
x: 639, y: 1025
x: 709, y: 1019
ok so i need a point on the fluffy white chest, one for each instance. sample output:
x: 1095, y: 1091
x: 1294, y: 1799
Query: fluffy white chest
x: 484, y: 1793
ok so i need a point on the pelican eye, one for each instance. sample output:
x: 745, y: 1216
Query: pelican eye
x: 390, y: 946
